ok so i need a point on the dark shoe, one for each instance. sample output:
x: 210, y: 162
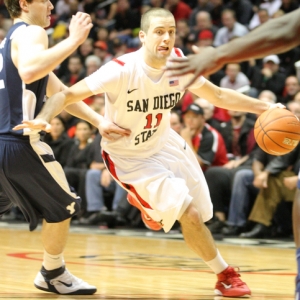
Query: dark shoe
x: 258, y: 231
x: 230, y: 230
x: 216, y: 226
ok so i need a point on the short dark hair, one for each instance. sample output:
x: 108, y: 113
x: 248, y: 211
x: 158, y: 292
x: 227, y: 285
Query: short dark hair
x: 14, y: 8
x: 153, y: 12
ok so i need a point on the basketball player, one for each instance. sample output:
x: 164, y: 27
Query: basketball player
x: 154, y: 164
x: 275, y: 36
x: 30, y: 177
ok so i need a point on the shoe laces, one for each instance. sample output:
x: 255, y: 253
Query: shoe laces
x: 232, y: 275
x: 66, y: 277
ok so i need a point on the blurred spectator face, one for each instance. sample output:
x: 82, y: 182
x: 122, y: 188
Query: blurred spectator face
x: 123, y: 5
x: 205, y: 38
x: 172, y: 3
x: 263, y: 16
x: 271, y: 65
x: 294, y: 107
x: 228, y: 19
x: 292, y: 85
x: 193, y: 120
x: 207, y: 107
x: 175, y: 122
x: 102, y: 34
x: 86, y: 48
x: 101, y: 49
x: 74, y: 65
x: 232, y: 70
x: 57, y: 128
x: 182, y: 28
x: 98, y: 104
x: 203, y: 20
x: 216, y: 3
x: 83, y: 131
x: 267, y: 96
x: 91, y: 67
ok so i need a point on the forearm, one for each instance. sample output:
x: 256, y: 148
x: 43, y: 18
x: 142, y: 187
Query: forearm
x: 84, y: 112
x: 229, y: 99
x: 257, y: 167
x: 275, y: 36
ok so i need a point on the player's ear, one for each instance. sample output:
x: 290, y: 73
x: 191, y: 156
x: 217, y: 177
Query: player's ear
x: 24, y: 5
x: 142, y: 36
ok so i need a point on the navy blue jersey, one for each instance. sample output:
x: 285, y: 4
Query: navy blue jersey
x: 18, y: 101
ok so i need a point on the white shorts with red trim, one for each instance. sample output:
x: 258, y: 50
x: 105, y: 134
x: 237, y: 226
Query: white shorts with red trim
x: 165, y: 183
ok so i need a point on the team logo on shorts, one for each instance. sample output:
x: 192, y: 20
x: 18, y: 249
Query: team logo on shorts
x: 71, y: 208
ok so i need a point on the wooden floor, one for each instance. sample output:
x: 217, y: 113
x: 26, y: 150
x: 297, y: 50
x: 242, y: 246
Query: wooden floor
x: 128, y: 264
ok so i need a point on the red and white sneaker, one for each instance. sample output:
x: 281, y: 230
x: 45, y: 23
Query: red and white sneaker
x: 229, y: 284
x: 151, y: 224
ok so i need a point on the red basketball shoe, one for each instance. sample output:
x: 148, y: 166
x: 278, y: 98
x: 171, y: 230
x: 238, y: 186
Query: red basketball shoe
x: 151, y: 224
x: 229, y: 284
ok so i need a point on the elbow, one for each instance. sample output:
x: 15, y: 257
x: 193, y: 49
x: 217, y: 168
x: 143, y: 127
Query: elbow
x: 27, y: 76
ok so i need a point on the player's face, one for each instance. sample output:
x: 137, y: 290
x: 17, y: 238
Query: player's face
x: 158, y: 41
x: 40, y: 12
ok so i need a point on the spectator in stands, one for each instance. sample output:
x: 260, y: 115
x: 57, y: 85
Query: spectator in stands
x: 231, y: 29
x: 205, y: 38
x: 208, y: 109
x: 76, y: 71
x: 127, y: 20
x: 216, y: 12
x: 289, y: 5
x: 291, y: 88
x: 240, y: 142
x: 176, y: 123
x: 234, y: 78
x: 102, y: 192
x: 179, y: 9
x: 203, y: 22
x: 79, y: 159
x: 263, y: 15
x: 58, y: 140
x: 268, y: 76
x: 101, y: 50
x: 86, y: 49
x: 279, y: 183
x: 246, y: 184
x: 207, y: 144
x: 242, y: 9
x: 202, y: 5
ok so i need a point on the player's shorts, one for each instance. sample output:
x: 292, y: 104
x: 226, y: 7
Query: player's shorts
x: 164, y: 183
x: 34, y: 181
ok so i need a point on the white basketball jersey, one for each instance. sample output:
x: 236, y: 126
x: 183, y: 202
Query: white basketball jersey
x: 136, y: 102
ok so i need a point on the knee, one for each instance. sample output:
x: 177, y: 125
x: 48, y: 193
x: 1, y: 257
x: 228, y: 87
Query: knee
x: 191, y: 216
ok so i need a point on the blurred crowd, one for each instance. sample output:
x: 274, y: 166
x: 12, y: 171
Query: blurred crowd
x: 251, y: 190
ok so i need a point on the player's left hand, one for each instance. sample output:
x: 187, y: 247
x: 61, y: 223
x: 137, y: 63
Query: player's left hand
x: 112, y: 131
x: 36, y: 124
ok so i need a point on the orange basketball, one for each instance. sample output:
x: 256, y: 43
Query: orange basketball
x: 277, y: 131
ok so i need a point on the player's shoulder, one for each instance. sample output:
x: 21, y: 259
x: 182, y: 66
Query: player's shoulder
x: 125, y: 59
x: 26, y: 31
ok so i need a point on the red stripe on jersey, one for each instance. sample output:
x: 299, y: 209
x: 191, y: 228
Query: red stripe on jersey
x: 119, y: 62
x: 177, y: 51
x: 111, y: 168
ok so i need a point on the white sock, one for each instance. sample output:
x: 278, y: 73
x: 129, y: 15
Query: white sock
x: 217, y: 264
x: 52, y: 262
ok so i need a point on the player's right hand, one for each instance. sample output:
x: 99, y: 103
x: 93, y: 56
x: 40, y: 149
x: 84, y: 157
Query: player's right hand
x: 79, y: 27
x: 111, y: 131
x: 36, y: 124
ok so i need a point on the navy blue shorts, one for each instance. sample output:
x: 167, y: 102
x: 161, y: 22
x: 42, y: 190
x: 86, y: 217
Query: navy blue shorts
x: 33, y: 180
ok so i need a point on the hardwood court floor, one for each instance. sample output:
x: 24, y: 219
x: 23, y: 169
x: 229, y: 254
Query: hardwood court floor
x: 130, y: 264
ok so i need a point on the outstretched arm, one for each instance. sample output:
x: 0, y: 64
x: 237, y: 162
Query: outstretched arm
x: 70, y: 99
x: 275, y: 36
